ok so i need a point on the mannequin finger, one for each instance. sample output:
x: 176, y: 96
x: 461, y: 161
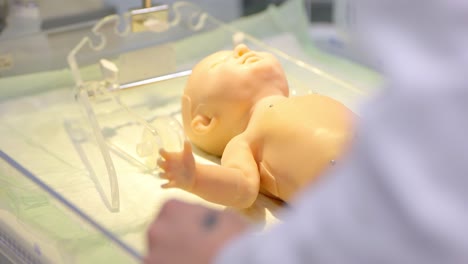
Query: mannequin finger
x: 163, y: 164
x: 187, y: 147
x: 169, y: 184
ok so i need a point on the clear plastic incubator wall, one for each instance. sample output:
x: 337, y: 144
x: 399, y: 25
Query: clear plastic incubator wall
x: 78, y: 175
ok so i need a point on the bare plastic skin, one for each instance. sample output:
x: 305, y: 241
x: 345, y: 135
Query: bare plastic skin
x: 236, y: 105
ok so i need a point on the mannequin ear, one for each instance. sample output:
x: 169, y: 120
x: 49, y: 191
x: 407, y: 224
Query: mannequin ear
x: 202, y: 124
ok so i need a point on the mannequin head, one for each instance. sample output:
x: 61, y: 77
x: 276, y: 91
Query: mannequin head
x: 222, y: 91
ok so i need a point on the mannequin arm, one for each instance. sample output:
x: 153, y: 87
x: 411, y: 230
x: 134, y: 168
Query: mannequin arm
x: 234, y: 183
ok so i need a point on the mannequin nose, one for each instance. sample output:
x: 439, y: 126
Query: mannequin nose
x: 240, y: 50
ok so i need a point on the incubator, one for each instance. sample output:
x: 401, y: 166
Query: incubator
x: 78, y: 175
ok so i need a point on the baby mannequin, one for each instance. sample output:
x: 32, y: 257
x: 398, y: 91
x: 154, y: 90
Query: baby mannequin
x: 236, y: 105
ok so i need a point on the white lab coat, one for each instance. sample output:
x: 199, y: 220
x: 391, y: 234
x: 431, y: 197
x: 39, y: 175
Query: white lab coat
x: 401, y: 196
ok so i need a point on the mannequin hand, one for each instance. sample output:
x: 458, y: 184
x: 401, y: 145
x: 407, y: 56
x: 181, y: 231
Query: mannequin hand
x: 188, y: 233
x: 178, y: 168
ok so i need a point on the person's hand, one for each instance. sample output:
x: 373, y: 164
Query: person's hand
x: 178, y: 168
x: 187, y: 233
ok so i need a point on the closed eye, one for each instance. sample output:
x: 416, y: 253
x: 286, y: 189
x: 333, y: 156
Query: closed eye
x: 219, y: 62
x: 250, y: 57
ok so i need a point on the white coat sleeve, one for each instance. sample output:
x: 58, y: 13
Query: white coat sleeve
x: 401, y: 195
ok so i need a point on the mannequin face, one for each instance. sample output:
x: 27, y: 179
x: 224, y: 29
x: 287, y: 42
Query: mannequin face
x: 240, y: 74
x: 222, y: 90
